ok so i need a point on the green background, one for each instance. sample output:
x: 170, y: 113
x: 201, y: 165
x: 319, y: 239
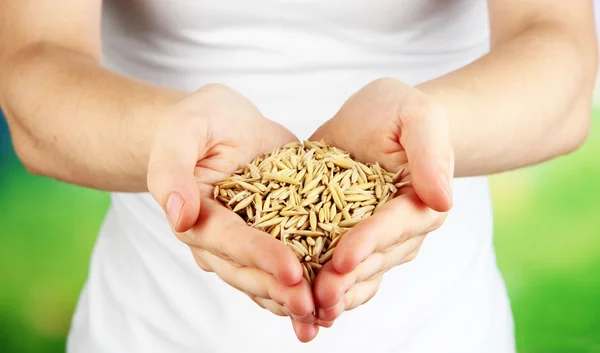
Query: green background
x: 547, y: 240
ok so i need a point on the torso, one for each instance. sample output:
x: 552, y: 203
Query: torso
x: 297, y: 60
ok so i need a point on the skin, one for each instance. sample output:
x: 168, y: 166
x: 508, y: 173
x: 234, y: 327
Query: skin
x: 197, y: 145
x: 72, y: 120
x: 88, y: 126
x: 540, y: 49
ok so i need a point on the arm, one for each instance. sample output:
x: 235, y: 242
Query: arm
x: 529, y: 99
x: 75, y: 121
x: 71, y: 119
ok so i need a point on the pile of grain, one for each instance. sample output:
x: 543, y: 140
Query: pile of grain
x: 308, y: 195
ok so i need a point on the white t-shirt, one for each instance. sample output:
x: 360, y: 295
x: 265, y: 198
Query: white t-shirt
x: 298, y: 61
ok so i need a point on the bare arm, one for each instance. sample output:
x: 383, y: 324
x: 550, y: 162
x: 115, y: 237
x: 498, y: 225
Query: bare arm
x: 529, y: 99
x: 71, y: 119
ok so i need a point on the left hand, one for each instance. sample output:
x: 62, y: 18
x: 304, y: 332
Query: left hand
x: 403, y: 128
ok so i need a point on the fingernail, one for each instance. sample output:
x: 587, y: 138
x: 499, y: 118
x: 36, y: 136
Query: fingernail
x: 174, y: 205
x: 447, y: 187
x: 446, y: 184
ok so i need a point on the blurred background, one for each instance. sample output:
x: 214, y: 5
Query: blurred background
x: 547, y: 240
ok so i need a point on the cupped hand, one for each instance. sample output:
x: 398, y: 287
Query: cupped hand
x: 204, y: 139
x: 401, y: 128
x: 389, y: 238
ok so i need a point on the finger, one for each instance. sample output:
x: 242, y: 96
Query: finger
x: 325, y: 323
x: 331, y: 314
x: 400, y: 219
x: 171, y: 181
x: 329, y: 288
x: 224, y: 234
x: 305, y: 332
x: 379, y: 263
x: 330, y: 285
x: 270, y: 305
x: 297, y: 299
x: 426, y: 138
x: 281, y: 310
x: 199, y: 258
x: 361, y: 293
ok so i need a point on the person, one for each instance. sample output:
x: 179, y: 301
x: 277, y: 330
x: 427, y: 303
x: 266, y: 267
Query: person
x: 156, y: 100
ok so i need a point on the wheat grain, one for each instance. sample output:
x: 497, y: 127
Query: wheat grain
x: 327, y: 256
x: 313, y: 220
x: 308, y: 195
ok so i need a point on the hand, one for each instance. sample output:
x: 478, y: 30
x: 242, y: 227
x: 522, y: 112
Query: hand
x: 202, y: 140
x: 389, y: 238
x: 403, y: 129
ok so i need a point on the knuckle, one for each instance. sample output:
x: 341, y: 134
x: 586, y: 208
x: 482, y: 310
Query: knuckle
x: 198, y: 257
x: 386, y: 264
x: 392, y: 247
x: 235, y: 283
x: 411, y: 256
x: 204, y: 267
x: 350, y: 299
x: 378, y: 273
x: 371, y: 295
x: 257, y: 300
x: 403, y: 238
x: 278, y: 310
x: 234, y: 264
x: 438, y: 221
x: 278, y: 313
x: 276, y: 294
x: 379, y: 263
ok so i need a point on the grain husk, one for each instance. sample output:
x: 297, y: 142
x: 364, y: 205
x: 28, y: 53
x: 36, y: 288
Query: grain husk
x: 308, y: 195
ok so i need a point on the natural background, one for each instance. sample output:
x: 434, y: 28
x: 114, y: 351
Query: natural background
x: 547, y: 241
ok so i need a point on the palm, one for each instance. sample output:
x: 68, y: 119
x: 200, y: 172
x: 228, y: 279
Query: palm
x: 364, y: 121
x: 228, y: 155
x: 237, y: 133
x: 398, y: 126
x: 368, y: 118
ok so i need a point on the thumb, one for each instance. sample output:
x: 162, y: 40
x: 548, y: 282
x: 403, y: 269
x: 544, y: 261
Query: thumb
x: 425, y: 136
x: 171, y: 179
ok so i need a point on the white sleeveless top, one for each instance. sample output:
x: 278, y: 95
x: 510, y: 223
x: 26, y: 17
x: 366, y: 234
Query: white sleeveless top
x: 298, y: 61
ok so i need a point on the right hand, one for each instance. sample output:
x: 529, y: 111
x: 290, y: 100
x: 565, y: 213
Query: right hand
x: 204, y: 139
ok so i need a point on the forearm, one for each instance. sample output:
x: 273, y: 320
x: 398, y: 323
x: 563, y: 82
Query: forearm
x: 74, y: 121
x: 527, y: 101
